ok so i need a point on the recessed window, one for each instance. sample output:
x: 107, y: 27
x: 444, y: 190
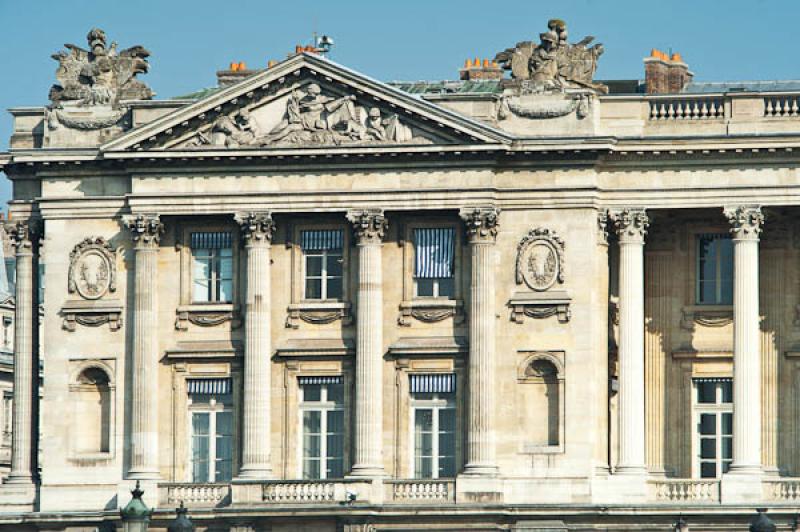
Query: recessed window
x: 322, y: 264
x: 322, y: 427
x: 714, y: 269
x: 212, y: 267
x: 713, y: 418
x: 433, y: 418
x: 433, y: 262
x: 211, y: 430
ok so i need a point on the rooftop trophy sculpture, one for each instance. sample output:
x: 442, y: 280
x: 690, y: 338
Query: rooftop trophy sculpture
x: 92, y: 83
x: 551, y: 67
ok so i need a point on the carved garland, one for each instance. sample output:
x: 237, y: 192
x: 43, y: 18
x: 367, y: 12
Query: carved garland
x: 92, y: 268
x: 540, y: 259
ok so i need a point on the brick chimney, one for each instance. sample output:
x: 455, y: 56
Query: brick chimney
x: 664, y: 74
x: 235, y: 73
x: 478, y: 69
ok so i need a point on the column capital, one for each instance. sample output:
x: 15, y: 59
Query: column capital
x: 369, y: 225
x: 24, y: 235
x: 257, y: 227
x: 745, y: 220
x: 630, y: 224
x: 481, y: 223
x: 146, y: 229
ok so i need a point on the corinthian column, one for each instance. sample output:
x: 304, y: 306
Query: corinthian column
x: 631, y: 227
x: 746, y: 224
x: 369, y: 227
x: 257, y: 229
x: 482, y: 231
x: 146, y: 232
x: 26, y: 371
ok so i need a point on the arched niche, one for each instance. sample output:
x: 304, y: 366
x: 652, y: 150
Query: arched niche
x: 92, y: 399
x: 541, y: 400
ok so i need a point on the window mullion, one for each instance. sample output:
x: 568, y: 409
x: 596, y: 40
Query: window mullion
x: 212, y: 445
x: 435, y: 440
x: 323, y: 442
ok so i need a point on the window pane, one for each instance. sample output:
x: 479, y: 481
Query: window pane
x: 708, y: 470
x: 447, y: 467
x: 727, y: 448
x: 336, y: 393
x: 424, y: 287
x: 335, y: 422
x: 726, y: 465
x: 706, y: 392
x: 226, y: 291
x: 311, y: 445
x: 225, y: 265
x: 727, y: 424
x: 313, y: 288
x: 708, y: 448
x: 200, y: 290
x: 312, y: 392
x: 423, y: 467
x: 335, y: 444
x: 447, y: 420
x: 311, y: 422
x: 423, y: 420
x: 311, y: 469
x: 334, y: 289
x: 708, y: 424
x: 313, y: 266
x: 334, y: 265
x: 200, y: 423
x: 446, y: 287
x: 200, y: 447
x: 335, y: 468
x: 727, y: 391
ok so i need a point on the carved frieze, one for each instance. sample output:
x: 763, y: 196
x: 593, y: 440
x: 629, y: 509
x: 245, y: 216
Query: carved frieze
x: 540, y: 305
x: 540, y: 259
x: 206, y: 317
x: 430, y: 311
x: 312, y: 117
x: 321, y: 313
x: 92, y: 268
x: 92, y: 313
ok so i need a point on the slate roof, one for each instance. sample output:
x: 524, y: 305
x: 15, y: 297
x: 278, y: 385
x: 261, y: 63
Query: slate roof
x: 743, y: 86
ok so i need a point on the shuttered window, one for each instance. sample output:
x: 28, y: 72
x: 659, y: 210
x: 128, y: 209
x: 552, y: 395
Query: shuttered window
x: 434, y: 251
x: 322, y: 264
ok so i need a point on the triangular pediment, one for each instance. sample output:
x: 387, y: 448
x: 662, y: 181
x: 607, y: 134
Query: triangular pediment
x: 306, y: 101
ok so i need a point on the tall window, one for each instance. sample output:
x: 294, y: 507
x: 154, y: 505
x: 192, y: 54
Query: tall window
x: 322, y: 264
x: 211, y: 430
x: 8, y: 403
x: 714, y: 269
x: 433, y: 415
x: 433, y: 262
x: 212, y: 267
x: 322, y: 427
x: 713, y: 414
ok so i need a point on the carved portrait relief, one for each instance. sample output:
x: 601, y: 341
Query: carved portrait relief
x: 92, y: 268
x: 540, y: 260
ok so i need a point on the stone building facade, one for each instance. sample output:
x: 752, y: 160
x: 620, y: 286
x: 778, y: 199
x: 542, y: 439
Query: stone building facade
x: 309, y: 300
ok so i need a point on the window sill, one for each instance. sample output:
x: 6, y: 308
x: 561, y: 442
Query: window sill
x: 706, y: 315
x: 318, y: 312
x: 91, y: 458
x: 430, y: 310
x: 540, y: 305
x: 207, y: 315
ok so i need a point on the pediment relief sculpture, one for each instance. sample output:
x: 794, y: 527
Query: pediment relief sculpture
x: 92, y: 269
x: 540, y: 260
x: 309, y: 117
x: 92, y: 83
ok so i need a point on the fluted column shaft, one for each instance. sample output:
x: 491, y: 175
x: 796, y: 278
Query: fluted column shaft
x: 369, y: 227
x: 146, y: 233
x: 257, y: 230
x: 746, y: 222
x: 631, y: 226
x: 25, y: 373
x: 482, y: 232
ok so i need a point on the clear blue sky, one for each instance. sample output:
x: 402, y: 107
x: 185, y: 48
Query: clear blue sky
x: 398, y: 40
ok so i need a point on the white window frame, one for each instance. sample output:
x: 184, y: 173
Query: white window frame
x: 325, y: 254
x: 214, y: 282
x: 718, y: 271
x: 323, y: 406
x: 211, y: 408
x: 439, y: 402
x: 719, y: 408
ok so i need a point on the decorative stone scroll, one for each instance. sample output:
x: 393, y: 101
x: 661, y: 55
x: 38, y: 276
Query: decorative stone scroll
x: 540, y: 259
x: 92, y: 268
x: 321, y: 313
x: 540, y: 305
x: 204, y: 317
x: 91, y: 313
x: 23, y: 234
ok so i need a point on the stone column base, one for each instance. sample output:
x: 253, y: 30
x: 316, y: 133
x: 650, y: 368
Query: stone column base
x: 741, y: 488
x: 479, y: 489
x: 18, y: 497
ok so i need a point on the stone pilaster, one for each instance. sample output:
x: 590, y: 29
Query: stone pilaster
x: 600, y: 302
x: 146, y: 230
x: 746, y: 222
x: 369, y: 227
x: 257, y: 229
x: 481, y: 226
x: 631, y: 227
x: 26, y: 371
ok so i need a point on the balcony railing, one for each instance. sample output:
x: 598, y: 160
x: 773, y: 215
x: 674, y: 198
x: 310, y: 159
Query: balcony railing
x: 421, y: 491
x: 685, y: 490
x: 697, y: 108
x: 302, y: 492
x: 785, y: 489
x: 194, y: 495
x: 782, y: 106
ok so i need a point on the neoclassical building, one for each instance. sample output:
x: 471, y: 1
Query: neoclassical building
x: 309, y: 300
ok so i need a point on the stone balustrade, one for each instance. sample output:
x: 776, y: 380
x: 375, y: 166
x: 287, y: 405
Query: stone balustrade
x: 193, y: 495
x: 782, y: 106
x: 782, y: 490
x: 690, y: 108
x: 420, y: 491
x: 682, y: 491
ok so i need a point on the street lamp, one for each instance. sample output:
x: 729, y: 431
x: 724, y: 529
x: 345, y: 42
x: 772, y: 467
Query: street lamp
x: 762, y: 523
x: 136, y: 515
x: 182, y: 523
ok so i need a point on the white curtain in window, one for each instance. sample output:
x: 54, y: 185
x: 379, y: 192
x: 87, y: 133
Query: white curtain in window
x: 321, y: 240
x: 433, y: 252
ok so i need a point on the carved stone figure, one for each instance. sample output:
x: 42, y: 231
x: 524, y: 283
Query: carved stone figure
x: 540, y: 259
x: 92, y: 268
x: 554, y: 64
x: 100, y: 75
